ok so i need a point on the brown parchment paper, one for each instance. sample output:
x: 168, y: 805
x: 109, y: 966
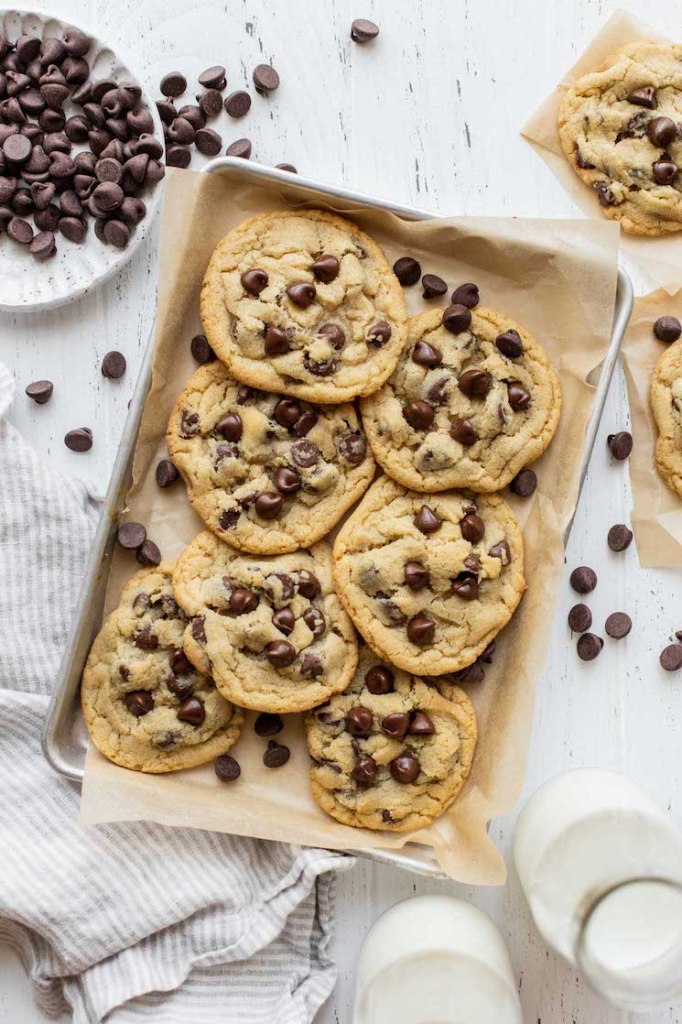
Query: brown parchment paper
x: 558, y: 279
x: 658, y: 259
x: 657, y: 510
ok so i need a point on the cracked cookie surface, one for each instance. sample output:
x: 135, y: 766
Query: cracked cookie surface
x: 463, y: 409
x: 429, y: 581
x: 620, y: 131
x: 666, y: 405
x: 390, y: 753
x: 270, y: 629
x: 145, y: 705
x: 266, y: 473
x: 303, y: 302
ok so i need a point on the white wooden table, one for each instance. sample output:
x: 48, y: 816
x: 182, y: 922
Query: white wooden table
x: 428, y: 115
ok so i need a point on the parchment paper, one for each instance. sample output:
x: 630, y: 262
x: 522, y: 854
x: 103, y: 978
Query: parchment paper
x: 558, y: 279
x: 657, y: 510
x: 658, y: 259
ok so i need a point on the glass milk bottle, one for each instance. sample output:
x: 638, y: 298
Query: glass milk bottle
x: 435, y: 960
x: 601, y: 867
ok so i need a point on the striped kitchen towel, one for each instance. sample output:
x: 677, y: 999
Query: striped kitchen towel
x: 130, y: 922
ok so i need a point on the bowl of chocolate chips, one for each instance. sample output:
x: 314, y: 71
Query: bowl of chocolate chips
x: 81, y: 161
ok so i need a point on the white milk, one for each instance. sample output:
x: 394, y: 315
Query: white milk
x: 601, y: 867
x: 435, y: 960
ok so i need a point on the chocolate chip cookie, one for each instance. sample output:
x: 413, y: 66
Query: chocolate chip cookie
x: 429, y: 583
x: 271, y: 630
x: 390, y: 753
x: 304, y: 303
x: 666, y: 405
x: 266, y: 473
x: 145, y: 705
x: 620, y: 130
x: 472, y: 400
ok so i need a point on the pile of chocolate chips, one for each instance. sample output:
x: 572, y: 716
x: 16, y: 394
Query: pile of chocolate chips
x: 49, y: 107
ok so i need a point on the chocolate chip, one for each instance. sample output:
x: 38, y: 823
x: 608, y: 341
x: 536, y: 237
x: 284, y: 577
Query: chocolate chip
x: 359, y: 722
x: 20, y: 231
x: 268, y: 505
x: 664, y: 172
x: 501, y: 551
x: 662, y: 131
x: 312, y: 666
x: 131, y: 535
x: 421, y: 725
x: 589, y: 646
x: 416, y: 576
x: 173, y: 84
x: 396, y: 725
x: 268, y: 724
x: 243, y: 601
x: 473, y: 528
x: 287, y: 480
x: 619, y: 537
x: 304, y: 424
x: 198, y: 629
x: 148, y: 553
x: 276, y: 755
x: 379, y: 334
x: 79, y: 440
x: 466, y: 586
x: 286, y: 167
x: 643, y: 97
x: 334, y: 335
x: 213, y: 77
x: 230, y: 427
x: 365, y: 770
x: 114, y: 365
x: 178, y: 156
x: 305, y: 453
x: 457, y: 318
x: 227, y: 768
x: 42, y: 245
x: 276, y: 341
x: 325, y: 268
x: 583, y: 579
x: 308, y: 584
x: 618, y: 625
x: 352, y: 448
x: 75, y: 42
x: 667, y: 328
x: 463, y: 430
x: 419, y: 414
x: 254, y: 281
x: 40, y: 391
x: 139, y: 702
x: 315, y: 621
x: 17, y: 148
x: 671, y: 658
x: 421, y: 629
x: 620, y: 444
x: 579, y: 618
x: 427, y: 521
x: 405, y: 768
x: 465, y: 295
x: 475, y: 383
x: 524, y: 483
x: 210, y: 105
x: 265, y: 79
x: 237, y: 104
x: 115, y: 233
x: 379, y: 680
x: 73, y: 228
x: 425, y: 354
x: 208, y: 142
x: 193, y: 711
x: 201, y: 350
x: 284, y: 620
x: 180, y: 663
x: 302, y: 294
x: 363, y: 31
x: 509, y: 344
x: 286, y: 412
x: 407, y: 270
x: 433, y: 286
x: 167, y: 111
x: 519, y: 397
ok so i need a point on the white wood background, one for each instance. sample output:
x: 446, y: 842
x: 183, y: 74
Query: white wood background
x: 428, y: 115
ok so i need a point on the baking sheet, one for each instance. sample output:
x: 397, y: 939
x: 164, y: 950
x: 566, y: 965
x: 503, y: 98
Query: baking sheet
x: 658, y: 260
x: 558, y: 279
x: 657, y: 510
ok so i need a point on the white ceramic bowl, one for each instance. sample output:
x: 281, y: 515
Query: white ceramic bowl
x: 27, y: 284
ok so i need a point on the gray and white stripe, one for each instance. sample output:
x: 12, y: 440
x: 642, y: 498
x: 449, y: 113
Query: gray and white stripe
x: 132, y: 922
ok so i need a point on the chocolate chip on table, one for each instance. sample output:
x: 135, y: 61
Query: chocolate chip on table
x: 40, y: 391
x: 227, y: 768
x: 405, y: 768
x: 662, y: 131
x: 42, y: 245
x: 166, y: 473
x: 667, y: 328
x: 644, y: 97
x: 524, y: 483
x: 276, y: 755
x: 589, y: 646
x: 671, y: 657
x: 210, y: 104
x: 427, y: 521
x: 131, y: 535
x: 79, y: 440
x: 421, y: 629
x: 213, y: 77
x: 407, y: 270
x: 178, y: 156
x: 238, y: 103
x: 173, y: 84
x: 240, y: 148
x: 268, y: 724
x: 583, y: 579
x: 618, y: 625
x: 265, y: 79
x: 286, y: 167
x: 363, y: 31
x: 457, y: 318
x: 114, y: 365
x: 433, y: 286
x: 201, y: 350
x: 620, y: 444
x: 579, y: 618
x: 619, y: 537
x: 208, y: 142
x: 148, y: 553
x: 20, y: 230
x: 465, y: 295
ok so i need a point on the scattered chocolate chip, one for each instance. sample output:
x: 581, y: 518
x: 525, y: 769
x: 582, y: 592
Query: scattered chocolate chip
x: 40, y: 391
x: 139, y: 702
x: 148, y: 553
x: 208, y: 142
x: 407, y: 270
x: 131, y: 535
x: 618, y: 625
x: 475, y: 383
x: 20, y: 230
x: 213, y: 77
x: 421, y: 629
x: 405, y: 768
x: 379, y: 680
x: 178, y: 156
x: 589, y: 646
x: 363, y: 31
x: 644, y: 97
x: 583, y: 579
x: 419, y: 414
x: 114, y: 365
x: 619, y: 537
x: 465, y: 295
x: 662, y: 131
x: 667, y: 328
x: 265, y: 79
x: 227, y: 768
x: 268, y: 724
x: 276, y: 755
x: 433, y: 286
x: 427, y: 521
x: 620, y: 444
x: 671, y: 657
x: 416, y: 575
x: 457, y: 318
x: 79, y: 440
x: 201, y: 350
x: 524, y: 483
x: 286, y: 167
x: 173, y: 84
x: 579, y: 618
x: 237, y: 104
x: 425, y: 354
x: 365, y: 771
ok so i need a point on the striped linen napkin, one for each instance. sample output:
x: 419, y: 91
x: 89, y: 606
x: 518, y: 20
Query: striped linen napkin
x: 137, y: 921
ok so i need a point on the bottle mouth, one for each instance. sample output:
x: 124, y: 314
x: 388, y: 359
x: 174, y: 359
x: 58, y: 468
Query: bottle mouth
x: 629, y: 946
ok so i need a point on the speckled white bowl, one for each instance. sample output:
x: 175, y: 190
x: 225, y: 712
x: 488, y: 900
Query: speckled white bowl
x: 27, y: 284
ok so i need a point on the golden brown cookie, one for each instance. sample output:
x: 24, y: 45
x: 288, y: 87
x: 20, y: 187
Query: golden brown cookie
x: 666, y: 405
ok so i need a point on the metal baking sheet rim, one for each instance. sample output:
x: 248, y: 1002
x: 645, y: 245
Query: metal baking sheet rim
x: 64, y: 737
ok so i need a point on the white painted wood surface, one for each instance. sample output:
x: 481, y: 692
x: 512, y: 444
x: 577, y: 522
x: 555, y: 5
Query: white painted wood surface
x: 429, y: 115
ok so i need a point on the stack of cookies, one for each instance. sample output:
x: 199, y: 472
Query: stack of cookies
x: 319, y: 376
